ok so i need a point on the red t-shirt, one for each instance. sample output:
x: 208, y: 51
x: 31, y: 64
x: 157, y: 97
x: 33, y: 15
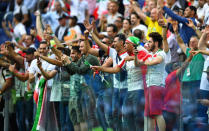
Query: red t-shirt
x: 172, y: 93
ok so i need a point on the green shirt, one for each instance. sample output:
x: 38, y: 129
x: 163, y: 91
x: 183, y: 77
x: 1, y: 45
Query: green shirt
x: 194, y: 71
x: 80, y: 67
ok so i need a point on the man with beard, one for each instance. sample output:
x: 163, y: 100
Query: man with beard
x: 155, y: 83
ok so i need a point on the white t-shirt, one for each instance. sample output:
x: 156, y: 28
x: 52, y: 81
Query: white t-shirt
x: 78, y: 9
x: 76, y: 28
x: 135, y: 81
x: 33, y: 69
x: 118, y: 62
x: 155, y: 73
x: 19, y: 30
x: 111, y: 19
x: 204, y: 84
x: 140, y: 27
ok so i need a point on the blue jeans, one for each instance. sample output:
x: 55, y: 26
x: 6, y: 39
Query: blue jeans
x: 118, y: 98
x: 88, y: 103
x: 65, y: 122
x: 20, y: 114
x: 133, y: 111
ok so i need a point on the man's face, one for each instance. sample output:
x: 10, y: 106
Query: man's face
x: 193, y: 43
x: 57, y: 6
x: 43, y: 49
x: 154, y: 15
x: 151, y: 5
x: 129, y: 47
x: 29, y: 57
x: 74, y: 55
x: 110, y: 32
x: 28, y: 40
x: 19, y: 2
x: 62, y: 22
x: 201, y: 3
x: 106, y: 41
x: 113, y: 7
x: 134, y: 20
x: 187, y: 12
x: 151, y: 45
x: 118, y: 22
x: 82, y: 48
x: 117, y: 44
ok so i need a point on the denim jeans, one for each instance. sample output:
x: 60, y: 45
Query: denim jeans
x: 118, y: 98
x: 65, y: 122
x: 133, y: 111
x: 88, y: 103
x: 20, y: 114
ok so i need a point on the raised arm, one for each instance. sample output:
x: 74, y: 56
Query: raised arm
x: 180, y: 42
x: 202, y: 41
x: 185, y: 65
x: 21, y: 76
x: 165, y: 42
x: 38, y: 24
x: 138, y: 11
x: 90, y: 50
x: 191, y: 25
x: 49, y: 60
x: 115, y: 69
x: 47, y: 75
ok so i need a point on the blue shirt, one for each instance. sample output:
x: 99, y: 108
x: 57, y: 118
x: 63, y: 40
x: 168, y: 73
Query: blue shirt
x: 185, y: 31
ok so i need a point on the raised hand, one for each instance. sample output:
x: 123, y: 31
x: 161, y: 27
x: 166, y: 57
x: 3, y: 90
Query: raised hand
x: 36, y: 54
x: 65, y: 60
x: 87, y: 25
x: 12, y: 67
x: 207, y: 30
x: 190, y: 24
x: 39, y: 64
x: 175, y: 26
x: 86, y: 34
x: 37, y: 13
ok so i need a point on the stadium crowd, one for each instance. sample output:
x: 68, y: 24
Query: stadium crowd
x: 104, y: 65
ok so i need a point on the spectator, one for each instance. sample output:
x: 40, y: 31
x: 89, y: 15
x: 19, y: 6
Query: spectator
x: 62, y: 29
x: 119, y: 23
x: 19, y: 29
x: 185, y: 31
x: 135, y: 22
x: 113, y: 12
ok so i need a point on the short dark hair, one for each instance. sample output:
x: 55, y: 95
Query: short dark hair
x: 193, y: 9
x: 109, y: 38
x: 129, y: 21
x: 121, y: 37
x: 115, y: 29
x: 76, y: 48
x: 64, y: 50
x: 121, y: 18
x: 156, y: 38
x: 90, y: 41
x: 138, y: 33
x: 18, y: 17
x: 134, y: 13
